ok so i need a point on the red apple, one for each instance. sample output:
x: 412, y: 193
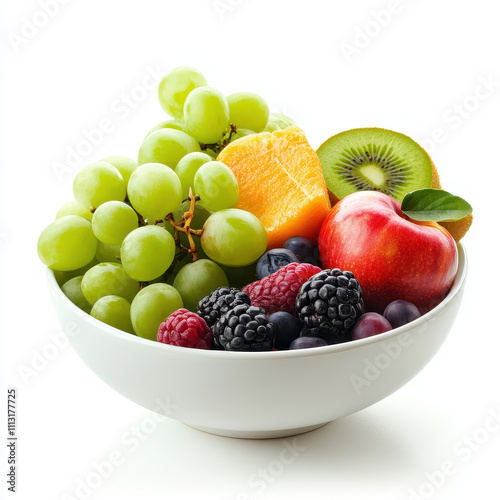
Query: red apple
x: 392, y: 256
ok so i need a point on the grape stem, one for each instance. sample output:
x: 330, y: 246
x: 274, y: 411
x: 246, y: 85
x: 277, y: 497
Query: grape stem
x: 233, y: 130
x: 184, y: 226
x: 219, y: 146
x: 141, y: 220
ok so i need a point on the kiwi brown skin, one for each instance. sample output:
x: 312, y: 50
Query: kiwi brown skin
x: 435, y: 182
x: 333, y: 198
x: 457, y: 228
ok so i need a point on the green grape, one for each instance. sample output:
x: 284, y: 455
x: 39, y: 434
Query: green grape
x: 174, y: 124
x: 178, y: 265
x: 206, y: 114
x: 216, y: 185
x: 187, y: 168
x: 64, y: 276
x: 161, y: 279
x: 108, y: 278
x: 107, y: 253
x: 234, y: 238
x: 278, y: 121
x: 175, y: 87
x: 248, y: 110
x: 73, y: 290
x: 123, y: 164
x: 112, y: 221
x: 97, y: 183
x: 74, y: 208
x: 167, y: 146
x: 155, y: 191
x: 201, y: 214
x: 151, y: 306
x: 67, y: 243
x: 147, y: 252
x: 198, y: 279
x: 114, y: 311
x: 238, y: 277
x: 210, y: 152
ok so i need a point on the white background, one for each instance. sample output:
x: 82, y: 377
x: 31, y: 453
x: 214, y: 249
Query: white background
x: 417, y: 74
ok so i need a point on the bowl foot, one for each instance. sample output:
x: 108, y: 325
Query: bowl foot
x: 279, y: 433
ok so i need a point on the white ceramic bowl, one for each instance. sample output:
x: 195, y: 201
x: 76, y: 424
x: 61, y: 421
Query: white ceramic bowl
x: 258, y: 395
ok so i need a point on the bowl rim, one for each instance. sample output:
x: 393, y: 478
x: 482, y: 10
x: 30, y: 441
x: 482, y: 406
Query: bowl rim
x: 456, y: 287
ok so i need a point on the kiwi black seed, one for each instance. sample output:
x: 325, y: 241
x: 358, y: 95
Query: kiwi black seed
x: 374, y: 159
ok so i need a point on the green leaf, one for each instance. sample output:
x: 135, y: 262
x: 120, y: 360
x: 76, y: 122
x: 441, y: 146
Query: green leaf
x: 434, y: 205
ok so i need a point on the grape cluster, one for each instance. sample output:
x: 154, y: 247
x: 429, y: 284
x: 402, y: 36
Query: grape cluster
x: 142, y: 239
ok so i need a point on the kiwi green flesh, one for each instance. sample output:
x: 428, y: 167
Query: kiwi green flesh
x: 374, y: 159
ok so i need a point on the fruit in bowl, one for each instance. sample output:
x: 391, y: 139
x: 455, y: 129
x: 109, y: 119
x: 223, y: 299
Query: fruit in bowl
x: 382, y: 160
x: 393, y: 256
x: 229, y: 258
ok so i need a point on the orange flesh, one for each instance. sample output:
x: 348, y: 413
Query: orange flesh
x: 281, y: 182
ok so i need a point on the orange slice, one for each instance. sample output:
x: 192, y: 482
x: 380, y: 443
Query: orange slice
x: 281, y: 182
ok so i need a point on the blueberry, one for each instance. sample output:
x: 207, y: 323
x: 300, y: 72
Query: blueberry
x: 272, y: 261
x: 327, y: 334
x: 307, y: 342
x: 400, y: 312
x: 304, y: 249
x: 287, y: 329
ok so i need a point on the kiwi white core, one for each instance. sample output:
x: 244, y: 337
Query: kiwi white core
x: 374, y: 175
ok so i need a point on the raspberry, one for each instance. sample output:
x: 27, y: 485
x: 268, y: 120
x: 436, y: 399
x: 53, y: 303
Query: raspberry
x: 185, y: 329
x: 278, y: 291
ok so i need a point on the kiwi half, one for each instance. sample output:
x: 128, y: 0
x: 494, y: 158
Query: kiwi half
x: 374, y: 159
x: 457, y: 228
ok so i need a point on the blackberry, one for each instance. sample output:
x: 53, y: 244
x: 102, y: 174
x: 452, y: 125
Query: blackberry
x: 329, y: 303
x: 213, y: 306
x: 245, y: 328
